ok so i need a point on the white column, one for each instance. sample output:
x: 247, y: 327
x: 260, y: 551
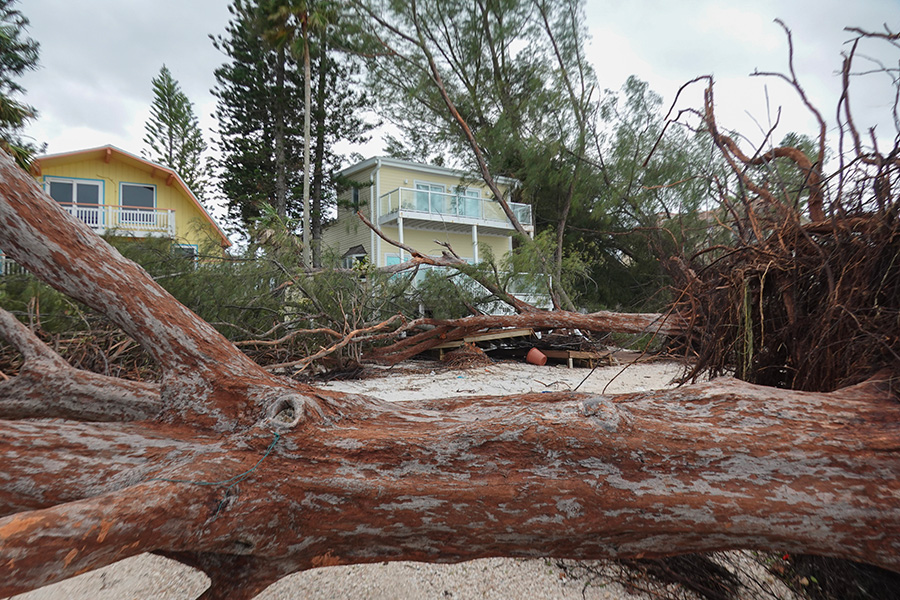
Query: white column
x: 475, y: 242
x: 374, y: 213
x: 400, y: 226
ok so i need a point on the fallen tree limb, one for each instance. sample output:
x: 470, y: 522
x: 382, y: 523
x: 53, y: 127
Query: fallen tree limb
x: 455, y: 262
x: 439, y: 331
x: 80, y: 395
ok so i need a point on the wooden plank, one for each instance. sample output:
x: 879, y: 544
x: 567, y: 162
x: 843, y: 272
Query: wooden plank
x: 496, y: 334
x: 499, y: 335
x: 588, y: 355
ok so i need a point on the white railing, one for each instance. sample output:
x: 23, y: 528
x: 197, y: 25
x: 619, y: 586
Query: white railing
x: 10, y: 267
x: 128, y: 219
x: 449, y: 204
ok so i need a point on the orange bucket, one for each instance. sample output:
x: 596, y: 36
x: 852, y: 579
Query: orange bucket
x: 536, y: 357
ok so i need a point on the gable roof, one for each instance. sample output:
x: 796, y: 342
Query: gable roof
x: 108, y: 152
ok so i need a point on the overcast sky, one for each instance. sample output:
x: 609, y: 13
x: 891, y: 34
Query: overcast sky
x: 98, y: 57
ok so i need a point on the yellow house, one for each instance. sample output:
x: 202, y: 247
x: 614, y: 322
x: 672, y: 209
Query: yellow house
x: 120, y: 193
x: 416, y: 204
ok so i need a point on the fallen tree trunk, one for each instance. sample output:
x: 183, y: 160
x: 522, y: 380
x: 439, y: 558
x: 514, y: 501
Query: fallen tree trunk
x: 434, y: 332
x: 249, y: 476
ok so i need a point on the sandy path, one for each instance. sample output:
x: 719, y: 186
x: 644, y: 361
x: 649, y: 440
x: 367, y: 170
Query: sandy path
x: 154, y: 578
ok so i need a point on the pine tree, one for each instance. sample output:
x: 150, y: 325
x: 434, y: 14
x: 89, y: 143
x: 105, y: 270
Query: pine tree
x: 18, y: 54
x: 260, y: 111
x: 173, y: 135
x: 259, y: 114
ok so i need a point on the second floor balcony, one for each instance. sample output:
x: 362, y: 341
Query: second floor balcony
x: 453, y: 209
x: 130, y: 221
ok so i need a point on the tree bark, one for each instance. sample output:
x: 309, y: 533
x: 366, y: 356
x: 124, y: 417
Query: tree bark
x: 318, y: 179
x: 250, y: 477
x: 280, y: 160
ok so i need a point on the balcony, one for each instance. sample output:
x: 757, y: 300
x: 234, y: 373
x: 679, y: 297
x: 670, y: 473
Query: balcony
x: 129, y: 221
x: 454, y: 211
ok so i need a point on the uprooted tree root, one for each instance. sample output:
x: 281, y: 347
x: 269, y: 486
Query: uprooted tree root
x: 738, y: 575
x: 811, y: 307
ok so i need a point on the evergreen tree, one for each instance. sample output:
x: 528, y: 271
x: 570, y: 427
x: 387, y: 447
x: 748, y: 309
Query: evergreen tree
x: 261, y: 112
x: 173, y: 135
x: 18, y: 54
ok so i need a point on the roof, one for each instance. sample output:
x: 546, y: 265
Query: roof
x: 357, y: 250
x: 155, y: 170
x: 414, y: 166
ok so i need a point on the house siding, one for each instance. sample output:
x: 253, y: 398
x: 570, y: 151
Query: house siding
x: 189, y: 220
x: 423, y: 241
x: 347, y: 230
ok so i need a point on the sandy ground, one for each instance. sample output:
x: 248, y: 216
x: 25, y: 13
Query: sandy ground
x: 152, y: 577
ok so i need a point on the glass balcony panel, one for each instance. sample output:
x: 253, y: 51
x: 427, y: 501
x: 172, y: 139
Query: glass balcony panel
x: 449, y: 204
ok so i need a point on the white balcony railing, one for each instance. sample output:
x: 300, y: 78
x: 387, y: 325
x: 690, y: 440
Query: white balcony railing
x: 449, y: 205
x: 130, y: 220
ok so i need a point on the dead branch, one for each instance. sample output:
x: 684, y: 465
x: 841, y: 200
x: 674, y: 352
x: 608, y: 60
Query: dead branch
x: 344, y: 341
x: 433, y: 332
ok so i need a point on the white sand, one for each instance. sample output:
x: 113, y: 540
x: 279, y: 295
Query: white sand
x: 152, y: 577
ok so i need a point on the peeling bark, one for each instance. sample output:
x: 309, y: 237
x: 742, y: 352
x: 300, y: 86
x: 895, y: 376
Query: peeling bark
x: 250, y: 477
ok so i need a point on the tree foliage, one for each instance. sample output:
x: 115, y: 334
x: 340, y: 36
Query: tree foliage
x: 174, y: 138
x: 18, y: 54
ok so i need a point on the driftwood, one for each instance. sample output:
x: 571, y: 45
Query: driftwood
x: 249, y: 476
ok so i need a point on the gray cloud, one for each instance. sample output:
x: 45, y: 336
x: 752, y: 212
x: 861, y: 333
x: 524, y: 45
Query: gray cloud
x: 99, y: 56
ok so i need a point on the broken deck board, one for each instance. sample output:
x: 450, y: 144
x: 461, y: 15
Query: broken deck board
x: 491, y: 334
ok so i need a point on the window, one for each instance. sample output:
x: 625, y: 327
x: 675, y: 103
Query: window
x: 137, y: 202
x: 80, y: 197
x: 187, y: 251
x: 355, y: 260
x: 355, y: 195
x: 468, y: 202
x: 429, y: 197
x: 354, y: 256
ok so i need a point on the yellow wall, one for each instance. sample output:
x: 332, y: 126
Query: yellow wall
x: 392, y: 177
x: 111, y: 174
x: 423, y: 241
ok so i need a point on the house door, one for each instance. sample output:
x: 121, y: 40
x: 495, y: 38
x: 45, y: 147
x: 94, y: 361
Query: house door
x: 80, y: 198
x: 429, y: 197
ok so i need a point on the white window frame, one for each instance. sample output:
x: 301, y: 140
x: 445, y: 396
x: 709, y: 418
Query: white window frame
x: 136, y: 215
x: 194, y: 248
x: 91, y: 214
x: 430, y: 190
x: 75, y: 181
x: 351, y: 261
x: 123, y: 184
